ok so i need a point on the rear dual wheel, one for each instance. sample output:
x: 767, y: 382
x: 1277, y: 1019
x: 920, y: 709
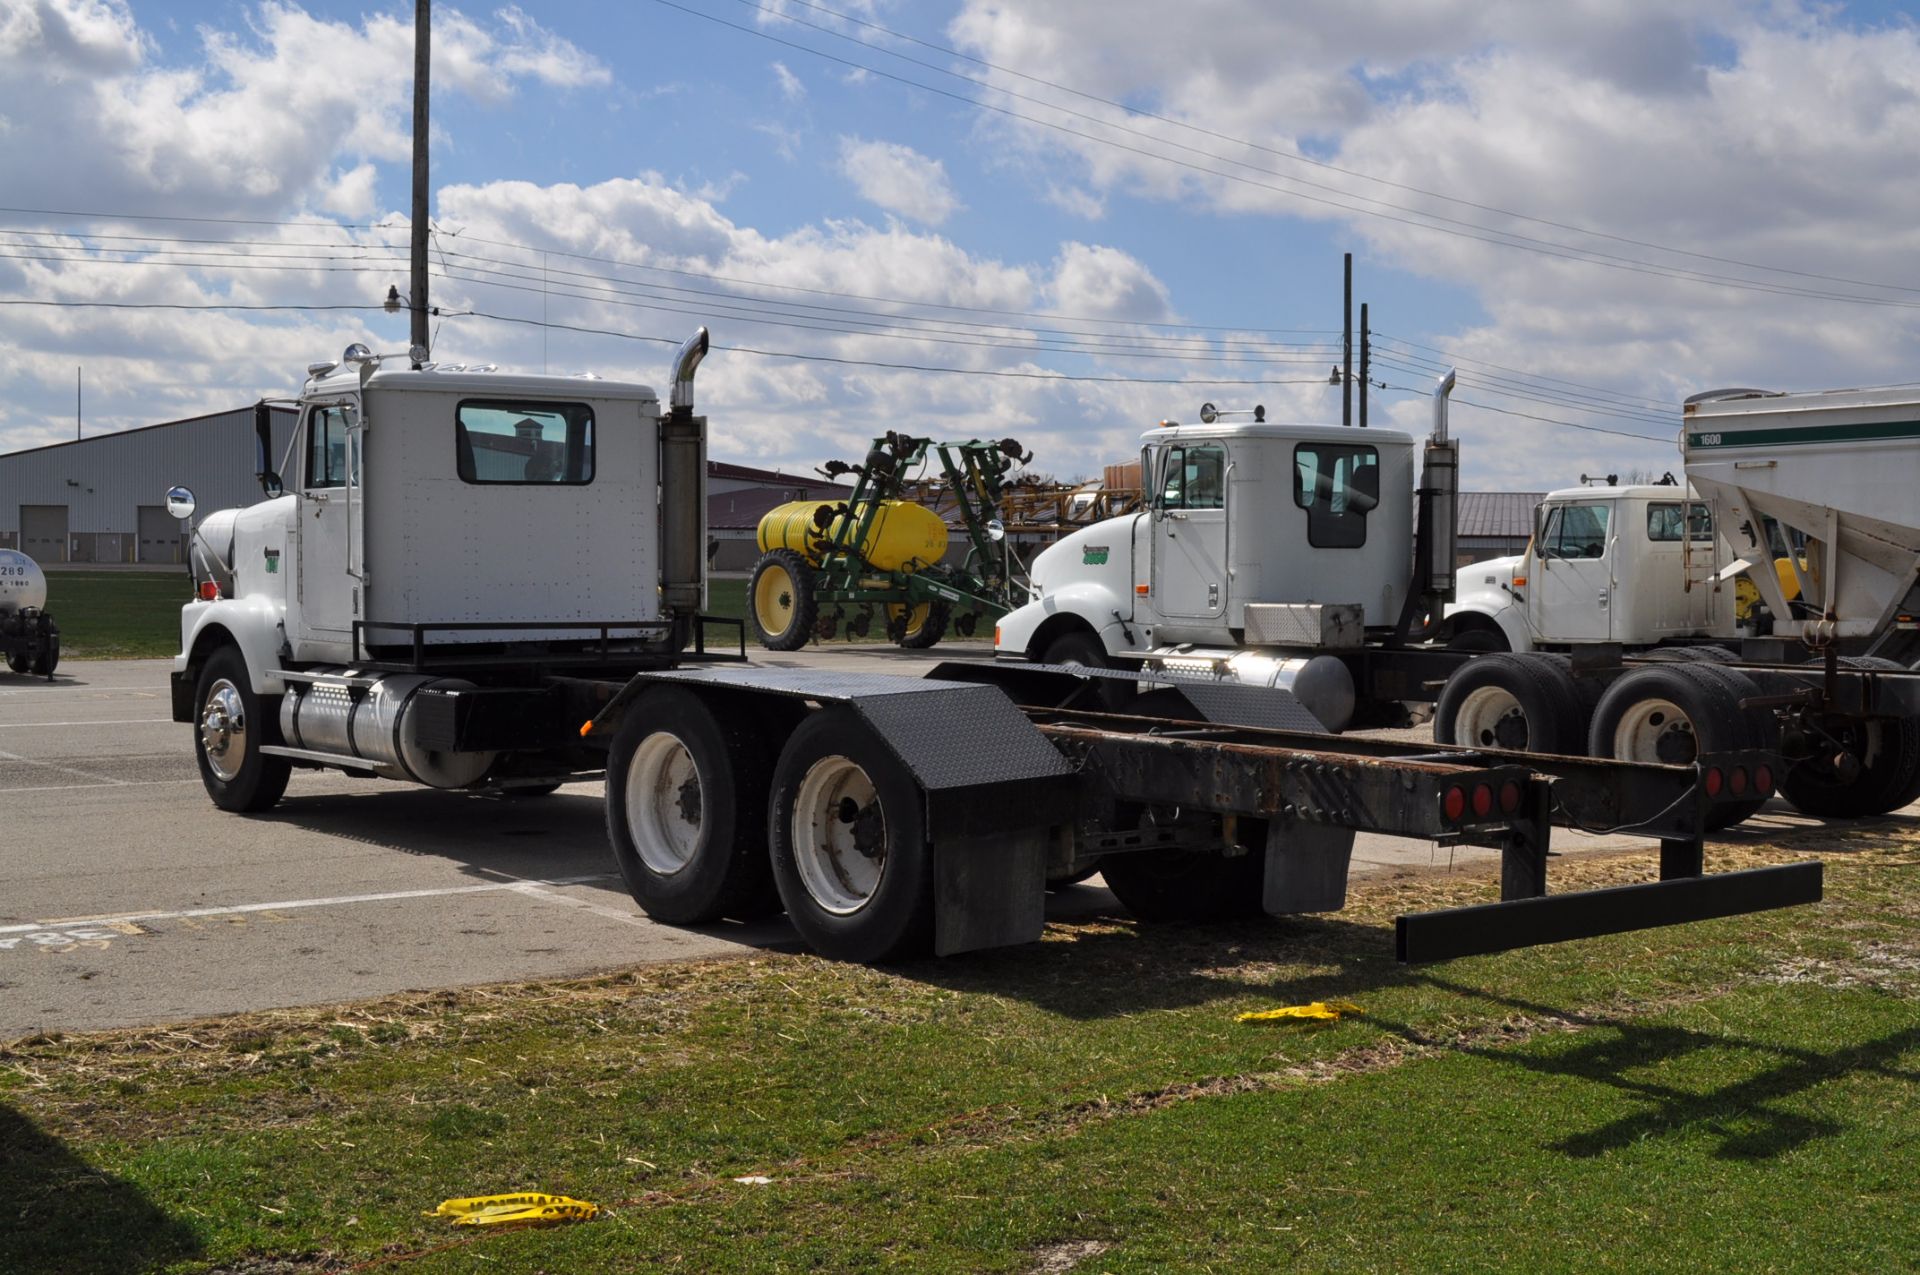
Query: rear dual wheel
x: 686, y: 785
x: 1518, y: 703
x: 1883, y: 771
x: 1674, y: 711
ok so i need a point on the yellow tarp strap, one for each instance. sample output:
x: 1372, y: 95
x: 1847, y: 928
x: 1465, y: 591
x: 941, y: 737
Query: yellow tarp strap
x: 524, y: 1206
x: 1324, y: 1011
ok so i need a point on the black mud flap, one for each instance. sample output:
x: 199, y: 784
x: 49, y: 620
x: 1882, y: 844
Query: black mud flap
x: 1500, y: 927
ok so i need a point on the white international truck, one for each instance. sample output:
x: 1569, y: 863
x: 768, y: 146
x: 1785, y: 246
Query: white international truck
x: 1283, y: 555
x: 1807, y: 497
x: 492, y: 584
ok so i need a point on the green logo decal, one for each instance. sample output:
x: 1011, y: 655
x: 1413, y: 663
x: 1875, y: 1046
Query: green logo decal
x: 273, y: 561
x: 1096, y: 556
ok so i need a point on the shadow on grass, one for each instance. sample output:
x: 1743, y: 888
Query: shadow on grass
x: 1742, y: 1113
x: 61, y: 1216
x: 1113, y: 965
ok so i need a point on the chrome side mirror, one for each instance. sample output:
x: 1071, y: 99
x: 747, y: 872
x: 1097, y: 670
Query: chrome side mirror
x: 180, y: 502
x: 996, y: 530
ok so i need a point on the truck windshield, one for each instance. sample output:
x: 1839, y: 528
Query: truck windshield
x: 1575, y: 531
x: 1338, y: 485
x: 521, y: 443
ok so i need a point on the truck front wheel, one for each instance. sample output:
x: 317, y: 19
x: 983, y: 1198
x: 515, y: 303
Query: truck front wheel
x: 233, y: 723
x: 686, y: 788
x: 850, y: 849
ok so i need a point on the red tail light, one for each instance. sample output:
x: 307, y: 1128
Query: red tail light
x: 1509, y: 797
x: 209, y: 591
x: 1763, y: 779
x: 1715, y: 781
x: 1482, y: 800
x: 1737, y: 781
x: 1454, y: 804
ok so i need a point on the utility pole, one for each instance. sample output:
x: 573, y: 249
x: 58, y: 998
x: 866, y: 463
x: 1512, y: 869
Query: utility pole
x: 422, y: 59
x: 76, y: 405
x: 1346, y: 346
x: 1366, y: 361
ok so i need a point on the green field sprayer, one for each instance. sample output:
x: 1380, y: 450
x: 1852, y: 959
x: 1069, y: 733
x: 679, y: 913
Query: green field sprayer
x: 875, y: 563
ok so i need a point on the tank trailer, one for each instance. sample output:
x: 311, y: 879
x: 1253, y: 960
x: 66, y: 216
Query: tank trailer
x: 493, y: 583
x: 29, y: 639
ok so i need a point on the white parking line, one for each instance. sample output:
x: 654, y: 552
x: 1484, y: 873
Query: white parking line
x: 118, y: 721
x: 71, y: 770
x: 518, y: 886
x: 118, y: 783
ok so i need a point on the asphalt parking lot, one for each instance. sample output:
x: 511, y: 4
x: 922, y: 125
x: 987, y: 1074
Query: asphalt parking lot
x: 129, y: 899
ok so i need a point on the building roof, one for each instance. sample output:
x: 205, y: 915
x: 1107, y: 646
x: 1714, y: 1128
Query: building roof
x: 1497, y: 513
x: 747, y: 473
x: 139, y: 429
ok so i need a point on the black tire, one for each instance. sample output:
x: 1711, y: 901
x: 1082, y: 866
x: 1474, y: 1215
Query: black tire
x: 527, y: 792
x: 1521, y: 703
x: 49, y: 659
x: 1636, y: 721
x: 784, y: 618
x: 1479, y: 639
x: 686, y: 790
x: 231, y: 724
x: 1889, y: 776
x: 22, y: 664
x: 1074, y: 876
x: 1082, y: 648
x: 1186, y: 885
x: 857, y: 877
x: 932, y: 626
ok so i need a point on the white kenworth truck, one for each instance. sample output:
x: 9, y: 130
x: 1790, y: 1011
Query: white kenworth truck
x: 492, y: 583
x: 1281, y: 555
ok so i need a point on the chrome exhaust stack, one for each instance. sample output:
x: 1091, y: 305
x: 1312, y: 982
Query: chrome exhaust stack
x: 683, y: 490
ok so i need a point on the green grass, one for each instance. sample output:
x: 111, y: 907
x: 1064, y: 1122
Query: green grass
x: 117, y: 615
x: 1738, y: 1095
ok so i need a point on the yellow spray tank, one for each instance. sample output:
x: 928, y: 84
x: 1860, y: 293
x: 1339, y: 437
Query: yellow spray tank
x: 904, y: 536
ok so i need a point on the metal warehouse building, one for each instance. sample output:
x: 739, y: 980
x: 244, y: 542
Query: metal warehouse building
x: 103, y: 499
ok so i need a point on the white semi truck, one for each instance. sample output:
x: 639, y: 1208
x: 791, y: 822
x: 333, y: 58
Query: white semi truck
x: 492, y: 584
x: 1282, y: 555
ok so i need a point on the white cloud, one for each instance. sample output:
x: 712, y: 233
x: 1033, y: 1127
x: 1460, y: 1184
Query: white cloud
x: 899, y: 179
x: 1076, y: 201
x: 790, y: 86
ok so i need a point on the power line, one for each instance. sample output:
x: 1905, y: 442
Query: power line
x: 1280, y: 152
x: 1428, y: 221
x: 1549, y: 420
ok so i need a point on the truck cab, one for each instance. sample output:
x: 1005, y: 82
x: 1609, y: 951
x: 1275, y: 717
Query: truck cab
x: 1239, y: 516
x: 437, y: 542
x: 1636, y: 565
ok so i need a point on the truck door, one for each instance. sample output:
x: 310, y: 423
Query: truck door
x: 1573, y: 590
x: 1190, y: 532
x: 329, y: 490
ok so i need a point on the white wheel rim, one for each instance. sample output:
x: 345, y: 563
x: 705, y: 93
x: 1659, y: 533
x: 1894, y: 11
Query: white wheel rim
x: 1478, y: 722
x: 1645, y: 724
x: 666, y: 804
x: 223, y: 730
x: 839, y: 835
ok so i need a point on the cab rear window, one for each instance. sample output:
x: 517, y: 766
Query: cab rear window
x: 522, y: 444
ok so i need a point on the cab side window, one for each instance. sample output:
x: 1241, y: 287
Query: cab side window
x: 327, y: 447
x: 1338, y: 485
x: 1671, y: 522
x: 1195, y: 478
x: 1575, y: 531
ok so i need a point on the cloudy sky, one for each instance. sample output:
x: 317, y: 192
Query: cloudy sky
x: 1062, y: 220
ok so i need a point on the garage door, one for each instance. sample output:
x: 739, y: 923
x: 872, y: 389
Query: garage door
x: 43, y: 532
x: 159, y: 535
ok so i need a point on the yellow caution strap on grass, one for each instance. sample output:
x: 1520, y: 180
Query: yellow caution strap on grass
x: 523, y: 1206
x: 1324, y: 1011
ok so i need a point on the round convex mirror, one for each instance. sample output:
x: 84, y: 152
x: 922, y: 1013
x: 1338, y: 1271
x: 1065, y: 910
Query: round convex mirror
x: 179, y: 502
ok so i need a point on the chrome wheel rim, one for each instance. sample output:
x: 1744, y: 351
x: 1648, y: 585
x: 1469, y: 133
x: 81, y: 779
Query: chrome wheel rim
x: 666, y: 803
x: 839, y: 835
x: 223, y: 730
